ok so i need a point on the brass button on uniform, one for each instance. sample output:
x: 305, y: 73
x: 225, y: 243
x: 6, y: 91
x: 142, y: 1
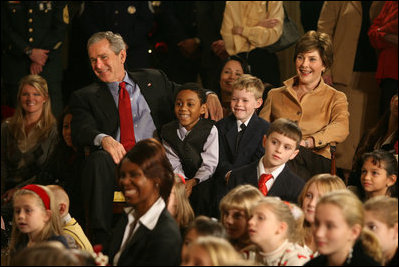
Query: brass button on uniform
x: 30, y: 30
x: 30, y: 11
x: 30, y: 20
x: 31, y: 40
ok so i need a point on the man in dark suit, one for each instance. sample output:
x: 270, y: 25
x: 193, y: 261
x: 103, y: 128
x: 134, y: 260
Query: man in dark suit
x: 96, y: 121
x: 246, y: 98
x: 271, y: 174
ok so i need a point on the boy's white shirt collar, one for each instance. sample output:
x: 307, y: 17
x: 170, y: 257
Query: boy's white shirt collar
x: 275, y: 173
x: 246, y: 123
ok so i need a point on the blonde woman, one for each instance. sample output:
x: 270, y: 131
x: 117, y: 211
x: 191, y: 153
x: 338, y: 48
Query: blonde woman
x: 28, y: 137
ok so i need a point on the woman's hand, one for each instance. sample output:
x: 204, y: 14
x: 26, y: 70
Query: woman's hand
x: 268, y: 23
x: 214, y: 109
x: 308, y: 142
x: 7, y: 196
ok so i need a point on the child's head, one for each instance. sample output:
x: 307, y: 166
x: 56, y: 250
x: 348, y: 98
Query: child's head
x: 49, y: 253
x: 381, y: 217
x: 235, y: 210
x: 379, y: 173
x: 61, y: 199
x: 202, y: 226
x: 272, y: 222
x: 315, y: 188
x: 281, y: 143
x: 179, y: 205
x: 35, y: 214
x: 246, y: 96
x: 210, y: 251
x: 190, y: 104
x: 339, y: 222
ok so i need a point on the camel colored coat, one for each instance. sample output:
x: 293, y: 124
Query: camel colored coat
x: 342, y: 20
x: 321, y: 114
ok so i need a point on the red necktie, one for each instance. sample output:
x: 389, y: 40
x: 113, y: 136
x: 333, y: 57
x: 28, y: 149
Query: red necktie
x: 125, y: 118
x: 262, y: 183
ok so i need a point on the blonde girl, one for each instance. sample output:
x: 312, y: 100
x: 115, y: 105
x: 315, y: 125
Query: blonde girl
x: 179, y: 205
x: 211, y: 251
x: 273, y: 229
x: 234, y: 213
x: 381, y: 217
x: 339, y: 234
x: 315, y: 188
x: 35, y: 219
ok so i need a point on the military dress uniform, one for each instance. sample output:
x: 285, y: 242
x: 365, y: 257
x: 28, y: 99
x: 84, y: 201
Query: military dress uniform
x: 33, y: 24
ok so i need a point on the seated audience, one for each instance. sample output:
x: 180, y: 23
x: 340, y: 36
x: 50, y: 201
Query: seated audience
x: 241, y: 133
x: 274, y: 230
x: 235, y: 212
x: 271, y: 174
x: 36, y: 218
x: 192, y: 145
x: 179, y: 205
x: 314, y: 189
x: 381, y: 217
x: 147, y: 234
x: 340, y: 234
x: 71, y: 228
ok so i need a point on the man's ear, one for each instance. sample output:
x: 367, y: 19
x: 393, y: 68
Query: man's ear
x: 122, y: 55
x: 294, y: 154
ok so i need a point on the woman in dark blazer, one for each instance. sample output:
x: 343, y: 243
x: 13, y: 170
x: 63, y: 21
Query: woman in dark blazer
x: 147, y: 234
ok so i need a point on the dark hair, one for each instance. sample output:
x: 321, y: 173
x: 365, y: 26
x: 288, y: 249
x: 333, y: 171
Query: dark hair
x: 390, y: 165
x: 243, y: 62
x: 287, y: 128
x: 150, y: 156
x: 319, y: 41
x: 196, y: 88
x: 207, y: 226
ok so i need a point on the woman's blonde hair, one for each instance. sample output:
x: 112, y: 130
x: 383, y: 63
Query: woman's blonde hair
x: 220, y: 251
x: 47, y: 119
x: 184, y: 212
x: 284, y: 212
x: 353, y: 213
x: 324, y: 182
x: 385, y: 209
x: 52, y: 228
x: 242, y: 197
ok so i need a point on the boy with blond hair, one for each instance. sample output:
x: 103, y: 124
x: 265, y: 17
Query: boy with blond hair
x: 241, y: 133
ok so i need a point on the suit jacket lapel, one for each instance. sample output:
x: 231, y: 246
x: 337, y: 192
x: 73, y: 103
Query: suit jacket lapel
x: 231, y: 135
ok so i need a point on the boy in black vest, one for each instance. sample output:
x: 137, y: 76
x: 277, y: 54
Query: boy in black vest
x: 192, y: 145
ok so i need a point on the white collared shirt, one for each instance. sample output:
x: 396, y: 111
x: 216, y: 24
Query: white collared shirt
x: 239, y: 124
x: 149, y: 220
x: 275, y: 173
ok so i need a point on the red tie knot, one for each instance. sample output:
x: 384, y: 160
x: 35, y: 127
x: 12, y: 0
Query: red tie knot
x: 122, y: 85
x: 265, y: 177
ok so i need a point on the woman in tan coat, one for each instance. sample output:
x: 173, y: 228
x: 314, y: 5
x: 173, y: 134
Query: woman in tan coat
x: 320, y: 111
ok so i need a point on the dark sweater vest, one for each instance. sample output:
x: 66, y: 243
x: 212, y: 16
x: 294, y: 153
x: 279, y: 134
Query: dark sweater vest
x: 189, y: 150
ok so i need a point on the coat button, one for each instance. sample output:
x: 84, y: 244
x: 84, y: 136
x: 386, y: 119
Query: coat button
x: 298, y: 113
x: 320, y: 142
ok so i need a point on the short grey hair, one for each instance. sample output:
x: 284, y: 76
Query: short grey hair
x: 115, y: 40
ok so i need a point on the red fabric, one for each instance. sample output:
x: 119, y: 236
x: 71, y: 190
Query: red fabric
x: 40, y: 192
x: 387, y: 23
x: 262, y: 183
x: 125, y: 118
